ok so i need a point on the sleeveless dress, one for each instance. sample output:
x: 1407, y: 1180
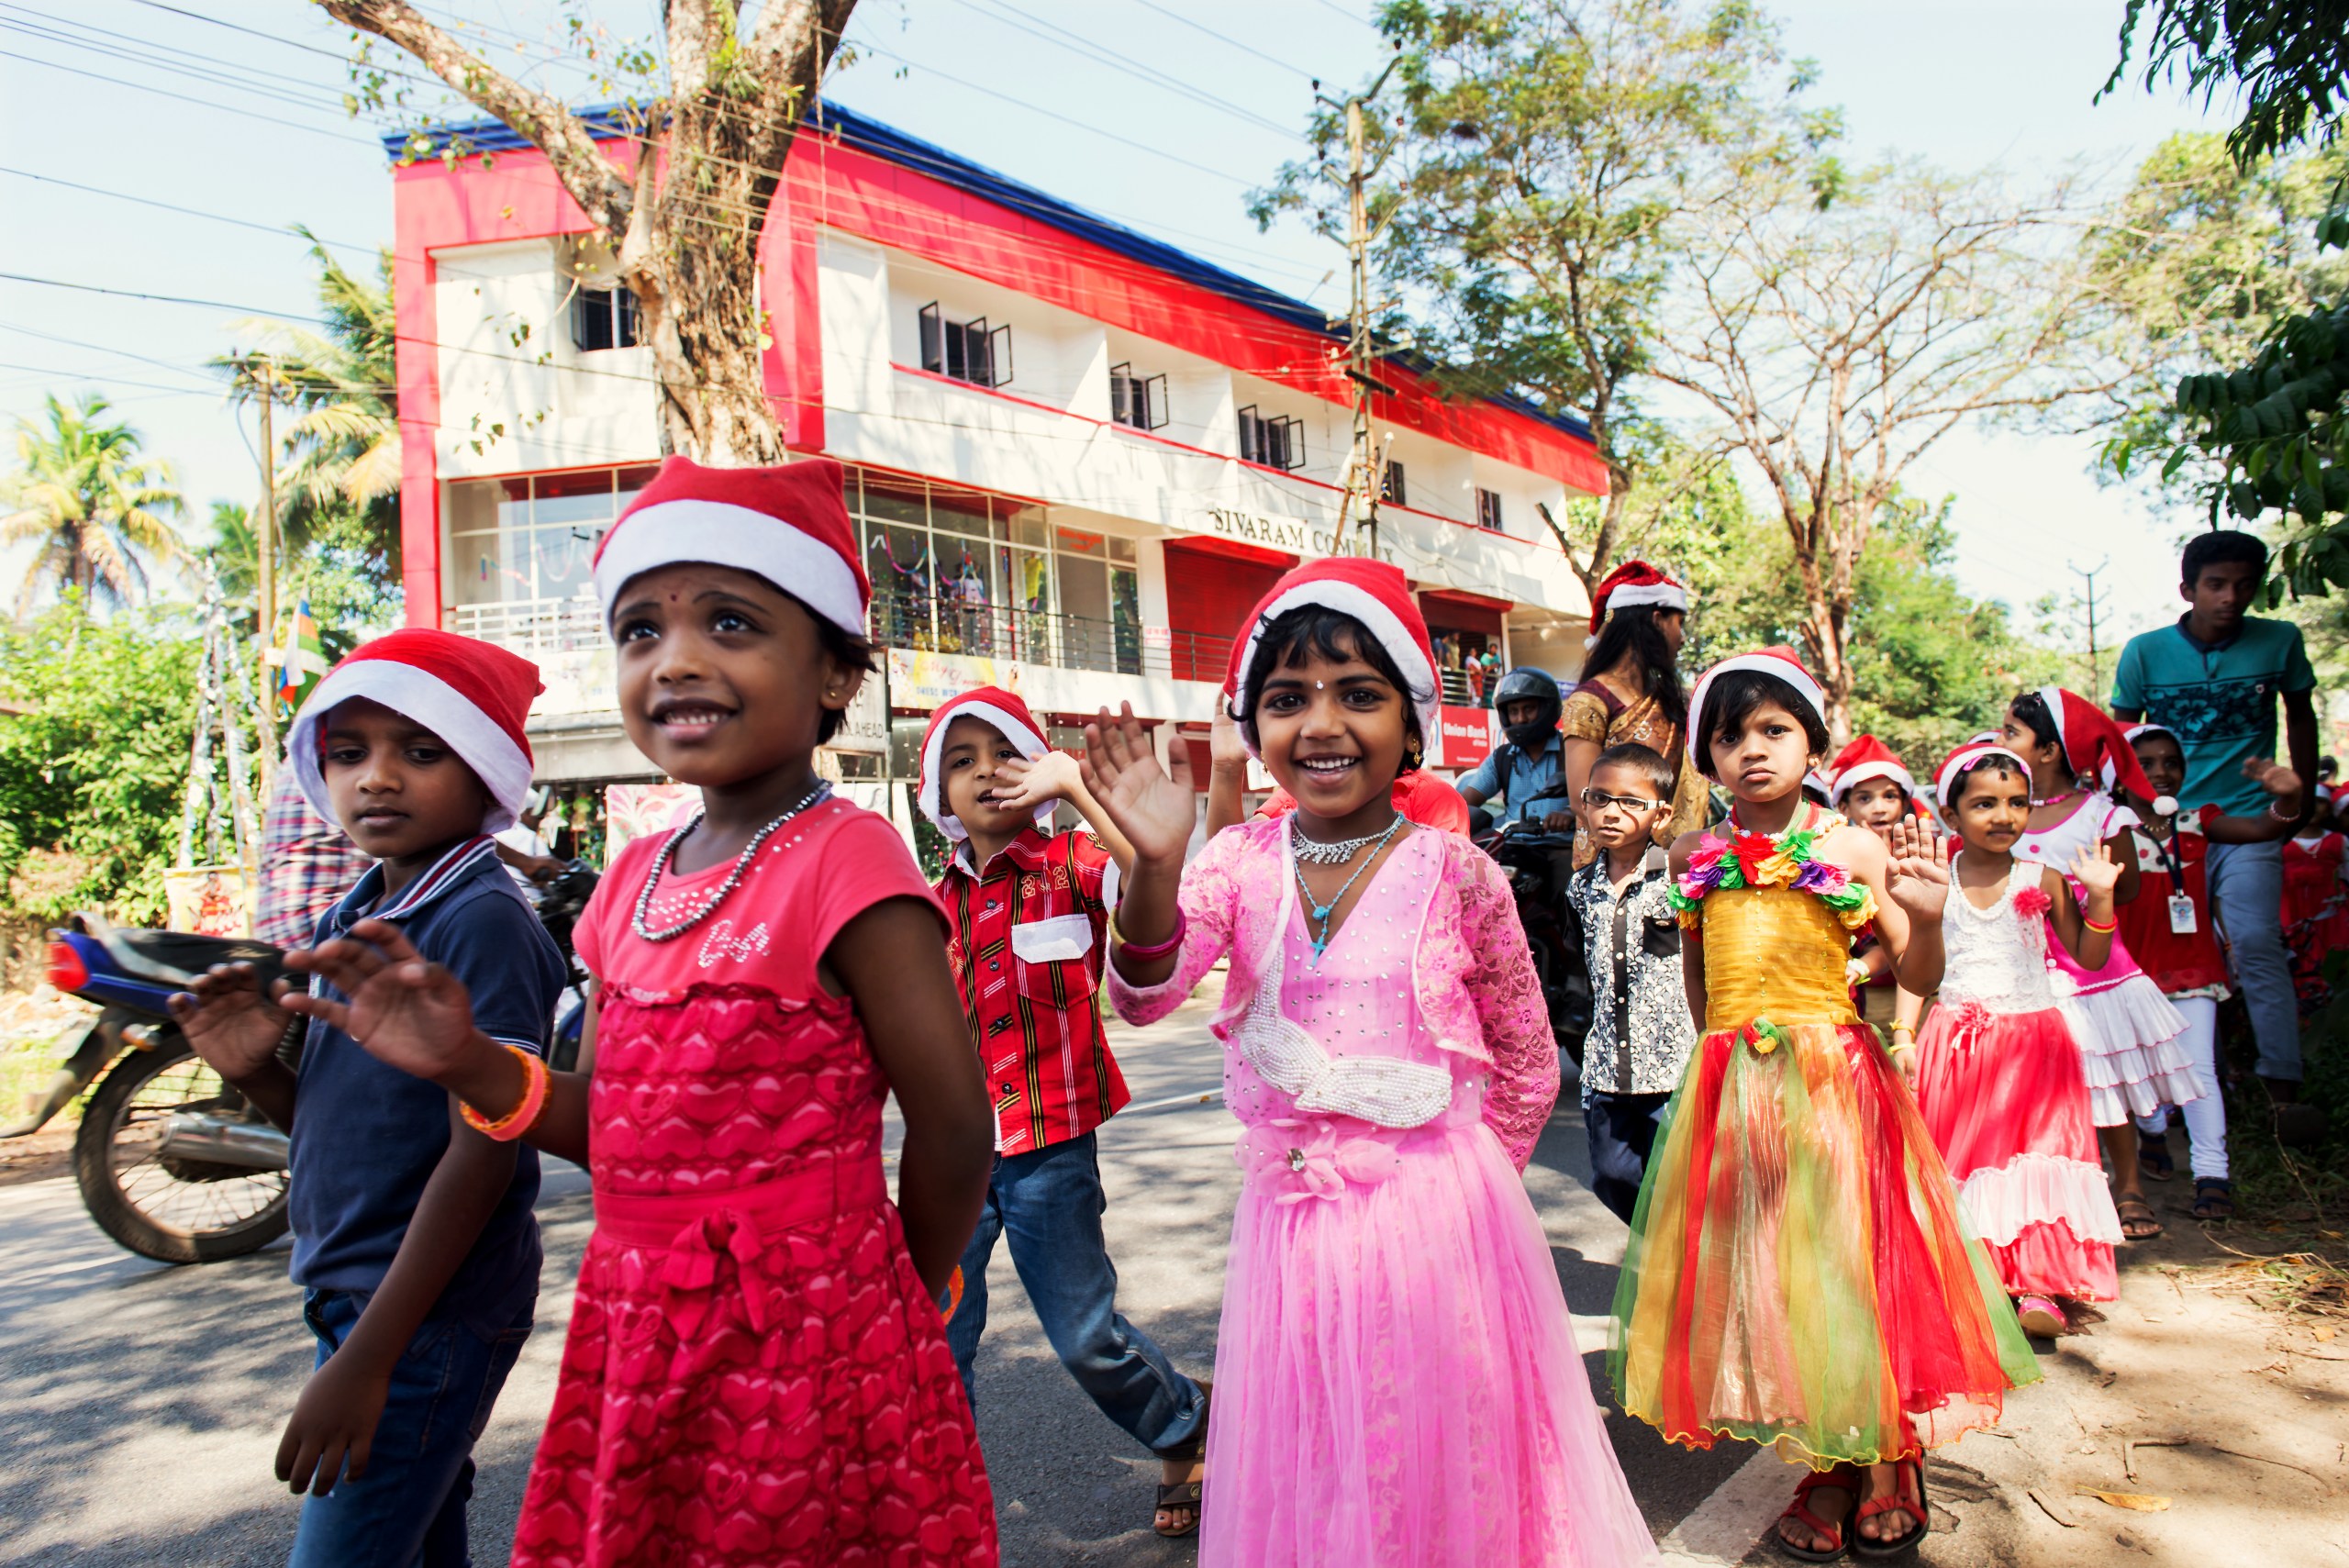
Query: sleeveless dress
x: 2127, y: 1032
x: 1396, y: 1380
x: 1999, y: 1080
x: 1798, y: 1273
x: 754, y: 1373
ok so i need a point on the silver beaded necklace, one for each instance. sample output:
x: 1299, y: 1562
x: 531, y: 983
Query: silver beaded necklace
x: 1315, y: 909
x: 668, y: 853
x: 1331, y: 852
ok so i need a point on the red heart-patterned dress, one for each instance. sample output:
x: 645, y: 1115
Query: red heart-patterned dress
x: 754, y: 1373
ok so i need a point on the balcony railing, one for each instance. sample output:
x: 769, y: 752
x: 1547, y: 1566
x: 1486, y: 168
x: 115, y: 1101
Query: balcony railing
x: 934, y: 624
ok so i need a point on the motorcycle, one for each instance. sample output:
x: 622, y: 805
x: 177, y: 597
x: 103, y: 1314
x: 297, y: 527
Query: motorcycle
x: 173, y: 1163
x: 1537, y: 863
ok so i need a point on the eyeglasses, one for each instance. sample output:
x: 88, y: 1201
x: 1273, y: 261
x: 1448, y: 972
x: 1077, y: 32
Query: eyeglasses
x: 1599, y: 799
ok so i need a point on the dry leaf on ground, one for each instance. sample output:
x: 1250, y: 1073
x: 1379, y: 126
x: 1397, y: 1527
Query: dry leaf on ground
x: 2137, y: 1502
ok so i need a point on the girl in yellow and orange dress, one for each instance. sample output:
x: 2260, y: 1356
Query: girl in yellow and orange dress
x: 1798, y: 1273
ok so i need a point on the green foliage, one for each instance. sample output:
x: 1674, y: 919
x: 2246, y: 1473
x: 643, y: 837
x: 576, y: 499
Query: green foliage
x: 1531, y: 162
x: 93, y: 773
x: 96, y: 512
x: 2287, y: 59
x: 334, y: 565
x: 1930, y: 664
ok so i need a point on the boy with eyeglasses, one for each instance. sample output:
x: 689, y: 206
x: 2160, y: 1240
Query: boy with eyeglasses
x: 1640, y: 1032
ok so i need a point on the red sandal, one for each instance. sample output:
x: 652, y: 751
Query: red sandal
x: 1881, y: 1550
x: 1843, y: 1478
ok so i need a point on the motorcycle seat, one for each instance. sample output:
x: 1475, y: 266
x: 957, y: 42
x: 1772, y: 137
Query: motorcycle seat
x: 181, y: 955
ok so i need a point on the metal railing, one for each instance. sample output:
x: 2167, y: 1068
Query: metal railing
x: 929, y: 623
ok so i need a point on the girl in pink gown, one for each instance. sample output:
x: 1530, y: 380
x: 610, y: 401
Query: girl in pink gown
x: 1398, y: 1382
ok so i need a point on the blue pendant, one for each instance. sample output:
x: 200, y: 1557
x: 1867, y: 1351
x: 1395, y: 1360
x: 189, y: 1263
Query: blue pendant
x: 1321, y: 913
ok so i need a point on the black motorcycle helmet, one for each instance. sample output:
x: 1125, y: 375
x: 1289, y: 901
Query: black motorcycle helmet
x: 1523, y: 684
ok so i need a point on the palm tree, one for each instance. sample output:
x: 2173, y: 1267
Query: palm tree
x: 340, y: 452
x: 97, y: 514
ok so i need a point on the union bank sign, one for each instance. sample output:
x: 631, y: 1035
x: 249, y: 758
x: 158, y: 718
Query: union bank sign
x: 1292, y: 536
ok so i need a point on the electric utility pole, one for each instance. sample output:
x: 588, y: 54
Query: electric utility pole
x: 1363, y: 473
x: 2088, y: 600
x: 265, y: 574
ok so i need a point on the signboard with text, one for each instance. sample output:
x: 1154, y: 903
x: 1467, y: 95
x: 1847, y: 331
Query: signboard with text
x: 1467, y: 736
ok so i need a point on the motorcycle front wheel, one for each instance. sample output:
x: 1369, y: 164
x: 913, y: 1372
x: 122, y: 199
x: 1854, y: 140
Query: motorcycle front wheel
x: 167, y: 1207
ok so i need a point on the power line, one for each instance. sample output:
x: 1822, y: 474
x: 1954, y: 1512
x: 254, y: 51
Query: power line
x: 184, y: 98
x: 1224, y: 38
x: 158, y: 298
x: 186, y: 211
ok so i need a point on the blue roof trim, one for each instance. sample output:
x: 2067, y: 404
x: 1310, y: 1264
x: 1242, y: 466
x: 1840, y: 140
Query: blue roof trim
x: 886, y: 142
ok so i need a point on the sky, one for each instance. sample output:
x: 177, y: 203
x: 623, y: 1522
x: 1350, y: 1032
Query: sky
x: 199, y: 132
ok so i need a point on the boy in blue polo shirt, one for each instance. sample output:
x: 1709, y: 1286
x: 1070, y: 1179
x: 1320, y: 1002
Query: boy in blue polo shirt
x: 413, y: 1233
x: 2213, y: 680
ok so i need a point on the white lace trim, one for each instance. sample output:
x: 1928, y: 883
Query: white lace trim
x: 2039, y: 1189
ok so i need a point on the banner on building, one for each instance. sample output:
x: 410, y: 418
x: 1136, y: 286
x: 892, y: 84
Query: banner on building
x: 1467, y: 736
x: 211, y: 901
x: 633, y: 810
x: 864, y: 727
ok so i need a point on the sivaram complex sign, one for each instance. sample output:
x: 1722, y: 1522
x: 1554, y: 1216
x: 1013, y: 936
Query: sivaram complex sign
x: 1294, y: 536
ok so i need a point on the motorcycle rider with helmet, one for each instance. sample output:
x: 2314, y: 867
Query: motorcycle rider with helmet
x: 1532, y: 760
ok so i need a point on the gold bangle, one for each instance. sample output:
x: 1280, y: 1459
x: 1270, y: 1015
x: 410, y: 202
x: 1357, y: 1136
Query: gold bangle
x: 2105, y: 929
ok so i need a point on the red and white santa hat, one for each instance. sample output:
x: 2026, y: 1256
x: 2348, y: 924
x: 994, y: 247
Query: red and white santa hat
x: 1373, y: 593
x: 1009, y: 715
x: 1632, y: 584
x: 1969, y: 755
x: 474, y: 695
x: 1779, y: 661
x: 1867, y: 758
x: 2095, y: 749
x: 788, y: 524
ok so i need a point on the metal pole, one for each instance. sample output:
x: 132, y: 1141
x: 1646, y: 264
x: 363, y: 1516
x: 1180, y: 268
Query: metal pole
x: 265, y: 586
x: 1362, y: 478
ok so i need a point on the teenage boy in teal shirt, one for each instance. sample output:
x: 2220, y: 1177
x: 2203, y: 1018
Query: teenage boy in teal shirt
x: 2212, y: 679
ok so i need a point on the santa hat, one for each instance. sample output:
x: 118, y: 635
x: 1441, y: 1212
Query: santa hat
x: 1373, y: 593
x: 991, y: 704
x: 2095, y: 747
x: 1972, y: 754
x: 1867, y: 758
x: 786, y: 524
x: 1635, y: 582
x: 1778, y: 662
x: 474, y: 695
x: 1815, y: 780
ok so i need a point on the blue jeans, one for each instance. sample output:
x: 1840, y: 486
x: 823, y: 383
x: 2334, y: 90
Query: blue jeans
x: 1621, y: 1130
x: 409, y: 1510
x: 1048, y: 1204
x: 2248, y: 894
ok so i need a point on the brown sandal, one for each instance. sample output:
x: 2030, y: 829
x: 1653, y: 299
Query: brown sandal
x: 1187, y: 1495
x: 2137, y: 1221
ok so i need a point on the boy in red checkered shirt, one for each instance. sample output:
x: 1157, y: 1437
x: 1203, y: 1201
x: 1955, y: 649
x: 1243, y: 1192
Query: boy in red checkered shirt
x: 1030, y: 910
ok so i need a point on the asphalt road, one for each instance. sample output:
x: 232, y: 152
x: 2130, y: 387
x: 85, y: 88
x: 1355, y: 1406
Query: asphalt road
x: 139, y: 1406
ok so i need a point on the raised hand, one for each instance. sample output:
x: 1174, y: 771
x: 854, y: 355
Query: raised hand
x: 2280, y: 782
x: 229, y: 1021
x: 410, y: 1014
x: 2094, y: 867
x: 1154, y: 809
x: 1227, y: 751
x: 1026, y: 786
x: 1919, y: 879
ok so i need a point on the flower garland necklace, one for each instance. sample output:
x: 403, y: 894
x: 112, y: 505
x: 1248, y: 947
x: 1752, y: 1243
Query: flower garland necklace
x: 1750, y: 859
x: 668, y: 852
x: 1317, y: 910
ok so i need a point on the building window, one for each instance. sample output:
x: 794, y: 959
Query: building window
x: 518, y: 569
x: 603, y: 318
x: 1137, y: 401
x: 1274, y: 440
x: 966, y: 350
x: 1391, y: 488
x: 1488, y: 509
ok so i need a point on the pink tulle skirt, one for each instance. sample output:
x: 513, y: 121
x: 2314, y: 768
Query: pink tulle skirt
x: 2005, y: 1099
x: 2130, y: 1039
x: 1396, y: 1382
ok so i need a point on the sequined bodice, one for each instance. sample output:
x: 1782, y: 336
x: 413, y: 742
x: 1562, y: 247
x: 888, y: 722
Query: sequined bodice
x: 1997, y: 957
x: 1773, y: 952
x: 1356, y: 1003
x: 725, y: 1086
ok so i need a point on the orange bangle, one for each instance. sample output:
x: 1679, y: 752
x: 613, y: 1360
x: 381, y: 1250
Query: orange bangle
x: 514, y: 1123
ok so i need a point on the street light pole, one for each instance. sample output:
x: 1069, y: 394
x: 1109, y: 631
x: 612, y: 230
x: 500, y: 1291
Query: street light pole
x: 1362, y: 479
x: 266, y: 584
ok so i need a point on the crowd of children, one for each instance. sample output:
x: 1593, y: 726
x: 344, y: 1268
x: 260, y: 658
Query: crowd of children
x: 1845, y: 1081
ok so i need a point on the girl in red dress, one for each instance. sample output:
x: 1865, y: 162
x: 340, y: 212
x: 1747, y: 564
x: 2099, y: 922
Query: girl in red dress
x: 2316, y: 908
x: 757, y: 1371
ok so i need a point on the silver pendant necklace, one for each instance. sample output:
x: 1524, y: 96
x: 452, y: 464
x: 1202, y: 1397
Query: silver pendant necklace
x: 1333, y: 852
x: 1316, y: 911
x: 668, y: 852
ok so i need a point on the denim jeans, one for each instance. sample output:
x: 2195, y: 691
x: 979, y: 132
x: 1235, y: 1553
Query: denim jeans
x: 1048, y: 1205
x: 409, y: 1510
x: 1621, y: 1130
x: 2248, y: 894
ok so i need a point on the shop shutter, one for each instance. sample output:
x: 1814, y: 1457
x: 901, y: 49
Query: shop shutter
x: 1210, y: 592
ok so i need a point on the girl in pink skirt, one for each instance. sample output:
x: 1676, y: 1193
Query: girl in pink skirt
x: 1397, y: 1383
x: 1997, y: 1074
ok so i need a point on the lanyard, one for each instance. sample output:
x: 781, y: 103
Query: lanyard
x: 2173, y: 858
